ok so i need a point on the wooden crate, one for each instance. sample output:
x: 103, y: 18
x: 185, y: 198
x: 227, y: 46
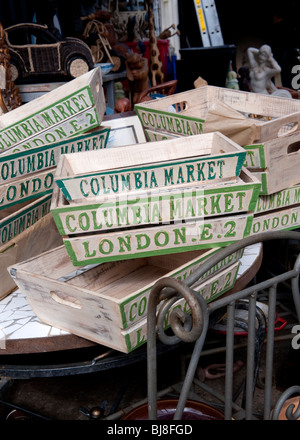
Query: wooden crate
x: 99, y: 303
x: 245, y: 117
x: 275, y: 162
x: 38, y: 238
x: 189, y: 161
x: 72, y: 109
x: 151, y: 209
x: 23, y: 163
x: 16, y: 219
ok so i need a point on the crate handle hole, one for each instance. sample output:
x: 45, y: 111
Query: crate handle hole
x: 178, y: 107
x: 287, y: 129
x: 293, y: 148
x: 66, y: 300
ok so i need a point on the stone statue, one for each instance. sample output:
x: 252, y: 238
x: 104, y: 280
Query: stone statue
x: 263, y: 67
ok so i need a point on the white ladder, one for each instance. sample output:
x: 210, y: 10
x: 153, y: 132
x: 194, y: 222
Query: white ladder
x: 209, y: 24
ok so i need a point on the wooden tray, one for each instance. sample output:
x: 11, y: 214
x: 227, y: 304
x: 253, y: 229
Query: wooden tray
x: 185, y: 113
x: 181, y: 162
x: 154, y: 208
x: 22, y: 163
x: 69, y: 110
x: 16, y: 219
x: 97, y: 303
x: 277, y: 163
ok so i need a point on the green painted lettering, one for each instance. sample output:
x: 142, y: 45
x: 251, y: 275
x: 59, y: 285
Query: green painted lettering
x: 84, y: 221
x: 211, y: 170
x: 88, y: 254
x: 106, y: 246
x: 124, y: 241
x: 161, y: 242
x: 215, y: 204
x: 180, y: 234
x: 68, y: 225
x: 143, y: 241
x: 221, y: 163
x: 169, y: 176
x: 190, y: 173
x: 200, y: 171
x: 205, y: 231
x: 96, y: 225
x: 228, y: 202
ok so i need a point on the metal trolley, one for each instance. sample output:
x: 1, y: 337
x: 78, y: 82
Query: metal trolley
x: 194, y: 327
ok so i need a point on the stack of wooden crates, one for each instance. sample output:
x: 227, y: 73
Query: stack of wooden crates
x: 32, y: 139
x: 129, y: 216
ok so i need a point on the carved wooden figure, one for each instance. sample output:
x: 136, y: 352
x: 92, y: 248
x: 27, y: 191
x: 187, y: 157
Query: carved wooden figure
x: 137, y: 74
x: 156, y: 65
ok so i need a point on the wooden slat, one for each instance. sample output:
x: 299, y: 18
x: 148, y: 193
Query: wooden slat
x: 157, y: 240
